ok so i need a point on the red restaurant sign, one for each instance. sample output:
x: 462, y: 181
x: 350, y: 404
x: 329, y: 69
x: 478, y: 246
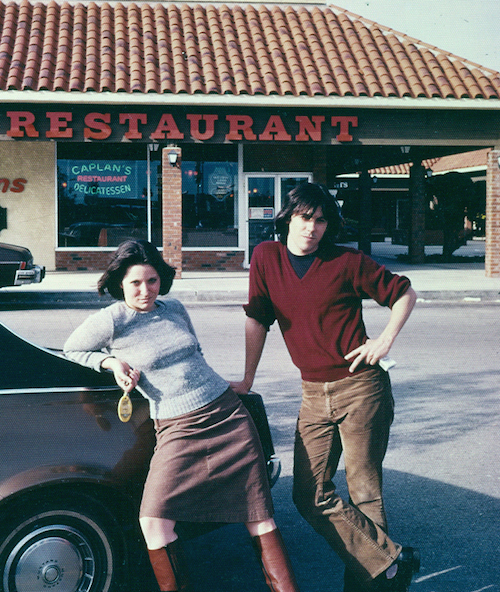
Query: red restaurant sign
x: 156, y: 125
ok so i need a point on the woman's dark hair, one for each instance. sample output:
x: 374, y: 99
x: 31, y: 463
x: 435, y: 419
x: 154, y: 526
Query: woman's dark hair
x: 307, y: 198
x: 129, y: 253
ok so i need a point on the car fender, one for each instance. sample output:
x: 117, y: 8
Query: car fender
x: 63, y: 475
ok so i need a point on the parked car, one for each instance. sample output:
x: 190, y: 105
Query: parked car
x: 72, y: 473
x: 17, y: 268
x: 94, y: 234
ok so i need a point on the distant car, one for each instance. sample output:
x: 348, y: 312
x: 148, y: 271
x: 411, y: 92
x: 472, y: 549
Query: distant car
x: 17, y: 268
x: 72, y: 474
x: 93, y: 234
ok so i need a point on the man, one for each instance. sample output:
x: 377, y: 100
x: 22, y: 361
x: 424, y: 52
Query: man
x: 314, y: 289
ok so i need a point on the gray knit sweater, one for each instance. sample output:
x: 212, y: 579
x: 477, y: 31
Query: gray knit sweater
x: 162, y: 344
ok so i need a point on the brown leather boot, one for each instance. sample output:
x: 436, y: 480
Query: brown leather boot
x: 275, y: 562
x: 170, y: 567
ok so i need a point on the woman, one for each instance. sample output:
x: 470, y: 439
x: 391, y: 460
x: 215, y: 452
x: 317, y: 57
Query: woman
x: 208, y: 464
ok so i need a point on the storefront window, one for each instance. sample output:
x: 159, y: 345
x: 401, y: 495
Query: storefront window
x: 209, y: 203
x: 104, y: 201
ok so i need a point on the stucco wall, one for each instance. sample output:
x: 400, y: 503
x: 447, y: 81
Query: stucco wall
x: 31, y: 212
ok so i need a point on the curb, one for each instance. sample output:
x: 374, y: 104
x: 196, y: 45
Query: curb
x: 87, y: 298
x: 470, y: 296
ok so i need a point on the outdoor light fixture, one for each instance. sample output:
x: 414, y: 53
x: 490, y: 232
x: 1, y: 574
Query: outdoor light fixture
x: 172, y: 158
x: 405, y: 149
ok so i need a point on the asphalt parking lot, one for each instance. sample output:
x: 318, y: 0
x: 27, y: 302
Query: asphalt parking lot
x: 442, y: 474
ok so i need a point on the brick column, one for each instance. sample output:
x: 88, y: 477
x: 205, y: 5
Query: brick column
x: 172, y: 210
x: 492, y: 258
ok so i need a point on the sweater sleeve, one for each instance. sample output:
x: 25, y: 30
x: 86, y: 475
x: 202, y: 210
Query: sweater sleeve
x: 259, y: 305
x: 372, y: 280
x: 89, y: 344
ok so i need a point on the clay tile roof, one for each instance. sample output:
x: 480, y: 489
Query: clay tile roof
x: 475, y: 159
x: 403, y: 168
x: 297, y: 50
x: 472, y: 160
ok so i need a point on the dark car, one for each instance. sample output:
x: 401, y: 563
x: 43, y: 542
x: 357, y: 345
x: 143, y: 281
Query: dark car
x: 102, y: 234
x: 72, y: 474
x: 17, y: 268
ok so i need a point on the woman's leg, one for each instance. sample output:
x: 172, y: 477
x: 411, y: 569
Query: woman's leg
x: 273, y: 557
x: 165, y: 553
x: 260, y: 528
x: 158, y: 532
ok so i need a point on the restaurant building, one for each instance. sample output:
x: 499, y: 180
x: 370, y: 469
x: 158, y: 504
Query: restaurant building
x: 187, y: 124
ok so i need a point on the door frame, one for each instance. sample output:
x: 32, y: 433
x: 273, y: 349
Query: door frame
x: 244, y: 233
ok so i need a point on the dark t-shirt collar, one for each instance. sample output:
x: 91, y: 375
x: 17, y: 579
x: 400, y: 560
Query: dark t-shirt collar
x: 301, y: 263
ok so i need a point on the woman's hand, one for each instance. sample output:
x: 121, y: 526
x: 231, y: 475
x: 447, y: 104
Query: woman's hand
x: 125, y: 376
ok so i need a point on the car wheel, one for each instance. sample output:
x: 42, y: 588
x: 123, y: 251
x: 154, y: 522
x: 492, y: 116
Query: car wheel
x: 69, y: 546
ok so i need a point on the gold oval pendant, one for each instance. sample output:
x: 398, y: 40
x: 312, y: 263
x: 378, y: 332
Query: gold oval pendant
x: 124, y: 408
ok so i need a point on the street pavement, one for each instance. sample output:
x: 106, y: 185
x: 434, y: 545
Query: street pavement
x: 442, y: 475
x: 457, y: 281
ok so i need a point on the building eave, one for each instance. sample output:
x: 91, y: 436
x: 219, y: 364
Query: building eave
x: 237, y: 101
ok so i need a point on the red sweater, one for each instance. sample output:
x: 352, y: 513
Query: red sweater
x: 320, y: 315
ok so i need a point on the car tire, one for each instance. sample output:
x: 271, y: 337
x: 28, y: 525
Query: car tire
x: 70, y: 544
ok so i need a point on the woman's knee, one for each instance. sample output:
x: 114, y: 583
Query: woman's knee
x: 260, y: 528
x: 158, y: 532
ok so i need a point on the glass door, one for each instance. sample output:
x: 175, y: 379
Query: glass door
x: 262, y: 204
x: 266, y: 196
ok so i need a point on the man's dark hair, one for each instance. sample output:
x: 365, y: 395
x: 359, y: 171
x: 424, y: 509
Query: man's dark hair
x: 307, y: 198
x: 129, y: 253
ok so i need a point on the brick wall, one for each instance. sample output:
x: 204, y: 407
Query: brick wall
x: 492, y: 258
x: 212, y: 260
x: 80, y: 260
x: 172, y: 210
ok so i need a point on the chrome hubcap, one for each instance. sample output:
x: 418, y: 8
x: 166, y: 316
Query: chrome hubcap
x: 50, y: 557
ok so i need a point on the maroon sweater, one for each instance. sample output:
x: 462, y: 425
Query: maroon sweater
x: 320, y: 315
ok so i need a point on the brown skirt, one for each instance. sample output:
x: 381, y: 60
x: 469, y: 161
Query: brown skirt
x: 208, y: 466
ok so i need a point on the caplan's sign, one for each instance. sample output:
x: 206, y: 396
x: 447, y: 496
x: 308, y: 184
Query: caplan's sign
x: 157, y: 125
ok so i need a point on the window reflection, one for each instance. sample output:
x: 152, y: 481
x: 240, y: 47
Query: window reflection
x: 103, y: 201
x: 209, y: 203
